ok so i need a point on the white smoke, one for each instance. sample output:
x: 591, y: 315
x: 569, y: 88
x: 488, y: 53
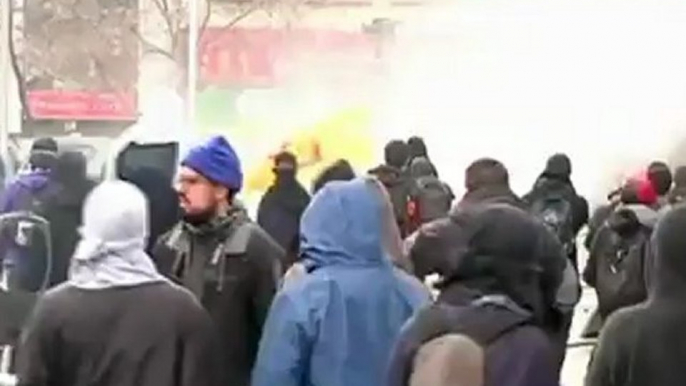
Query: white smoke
x: 602, y: 80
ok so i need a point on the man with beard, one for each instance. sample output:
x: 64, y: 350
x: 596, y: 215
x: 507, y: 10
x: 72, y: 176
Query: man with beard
x: 229, y: 263
x: 282, y: 206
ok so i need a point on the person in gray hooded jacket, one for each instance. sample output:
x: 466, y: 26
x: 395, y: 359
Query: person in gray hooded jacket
x: 116, y: 321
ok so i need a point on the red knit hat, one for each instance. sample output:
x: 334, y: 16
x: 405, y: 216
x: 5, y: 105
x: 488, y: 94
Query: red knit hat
x: 639, y: 190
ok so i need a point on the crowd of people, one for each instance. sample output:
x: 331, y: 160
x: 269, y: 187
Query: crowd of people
x: 154, y: 286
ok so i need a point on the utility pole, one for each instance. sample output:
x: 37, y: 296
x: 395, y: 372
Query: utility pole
x: 5, y: 74
x: 192, y: 70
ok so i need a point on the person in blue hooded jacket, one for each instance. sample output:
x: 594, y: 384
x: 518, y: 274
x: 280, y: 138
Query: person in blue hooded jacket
x: 337, y: 324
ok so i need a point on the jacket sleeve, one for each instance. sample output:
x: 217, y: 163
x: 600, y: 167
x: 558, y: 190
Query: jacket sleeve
x: 580, y: 213
x: 286, y: 343
x: 35, y: 352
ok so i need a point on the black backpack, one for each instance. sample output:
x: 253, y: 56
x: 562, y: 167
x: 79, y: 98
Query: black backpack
x: 620, y: 270
x: 555, y: 211
x: 433, y: 198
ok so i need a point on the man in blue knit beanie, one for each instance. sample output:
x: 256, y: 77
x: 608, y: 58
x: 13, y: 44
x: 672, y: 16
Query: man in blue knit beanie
x: 227, y: 261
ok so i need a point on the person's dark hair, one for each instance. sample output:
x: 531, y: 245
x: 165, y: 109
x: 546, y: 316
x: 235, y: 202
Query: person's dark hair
x: 417, y: 147
x: 340, y: 170
x: 43, y: 154
x: 486, y: 172
x: 396, y: 153
x: 660, y: 176
x: 285, y: 157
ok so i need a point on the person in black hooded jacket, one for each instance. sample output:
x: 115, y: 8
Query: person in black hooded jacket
x: 63, y: 210
x: 392, y: 175
x: 490, y: 292
x: 418, y: 149
x: 283, y: 205
x: 556, y: 180
x: 645, y: 344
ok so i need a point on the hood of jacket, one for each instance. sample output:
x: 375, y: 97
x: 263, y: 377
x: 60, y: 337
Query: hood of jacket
x: 421, y: 167
x: 669, y: 268
x: 344, y: 226
x: 489, y: 249
x: 626, y: 219
x: 111, y: 252
x: 388, y: 175
x: 35, y: 180
x: 501, y: 194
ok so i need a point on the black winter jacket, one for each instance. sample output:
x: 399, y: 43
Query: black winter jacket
x: 234, y: 268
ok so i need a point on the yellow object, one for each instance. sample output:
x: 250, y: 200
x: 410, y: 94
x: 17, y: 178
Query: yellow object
x: 347, y: 134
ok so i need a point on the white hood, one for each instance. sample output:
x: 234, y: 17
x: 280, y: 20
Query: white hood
x: 113, y: 238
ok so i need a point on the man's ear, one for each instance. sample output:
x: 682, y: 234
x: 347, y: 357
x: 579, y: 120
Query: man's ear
x: 222, y: 193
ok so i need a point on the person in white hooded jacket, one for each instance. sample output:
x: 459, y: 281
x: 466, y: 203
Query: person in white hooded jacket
x: 117, y: 321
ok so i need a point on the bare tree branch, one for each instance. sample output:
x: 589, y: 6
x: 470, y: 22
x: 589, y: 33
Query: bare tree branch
x: 151, y: 47
x: 205, y: 21
x: 14, y: 61
x: 172, y: 29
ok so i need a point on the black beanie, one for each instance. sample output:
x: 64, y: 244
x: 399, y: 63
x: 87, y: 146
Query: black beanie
x: 661, y: 177
x: 396, y: 153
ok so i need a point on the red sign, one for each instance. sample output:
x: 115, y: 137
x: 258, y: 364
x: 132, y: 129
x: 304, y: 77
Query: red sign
x: 255, y: 57
x: 82, y: 105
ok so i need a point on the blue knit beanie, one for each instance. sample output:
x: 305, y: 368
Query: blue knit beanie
x: 217, y: 161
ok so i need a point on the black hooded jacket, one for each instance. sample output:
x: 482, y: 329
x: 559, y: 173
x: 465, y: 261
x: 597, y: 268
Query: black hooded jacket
x: 399, y: 188
x: 446, y: 247
x: 646, y: 344
x: 488, y: 250
x: 233, y: 267
x: 280, y: 211
x: 556, y: 180
x: 63, y: 210
x: 630, y: 225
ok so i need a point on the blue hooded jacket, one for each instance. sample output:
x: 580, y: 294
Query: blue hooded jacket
x: 336, y: 326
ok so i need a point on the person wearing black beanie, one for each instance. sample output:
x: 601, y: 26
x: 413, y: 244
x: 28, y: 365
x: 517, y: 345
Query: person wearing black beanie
x: 660, y: 176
